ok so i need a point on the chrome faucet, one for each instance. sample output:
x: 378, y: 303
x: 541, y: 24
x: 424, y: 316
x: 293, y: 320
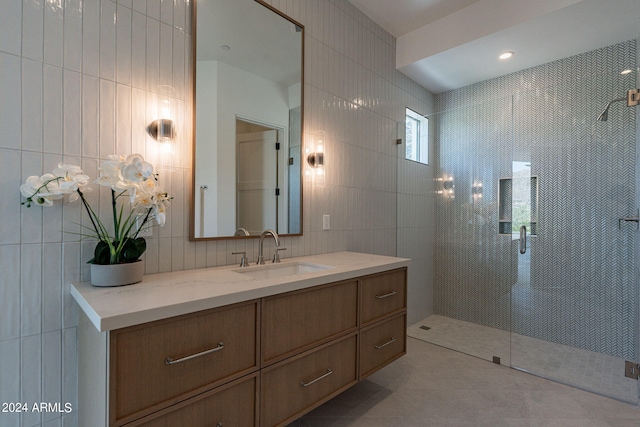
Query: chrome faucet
x: 262, y: 236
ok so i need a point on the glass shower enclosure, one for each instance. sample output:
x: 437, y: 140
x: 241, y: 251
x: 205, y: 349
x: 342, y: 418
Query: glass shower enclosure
x: 536, y: 222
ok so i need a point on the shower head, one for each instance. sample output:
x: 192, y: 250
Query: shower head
x: 604, y: 116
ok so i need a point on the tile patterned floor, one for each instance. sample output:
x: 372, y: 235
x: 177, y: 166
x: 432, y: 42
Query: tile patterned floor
x: 597, y: 372
x: 434, y: 386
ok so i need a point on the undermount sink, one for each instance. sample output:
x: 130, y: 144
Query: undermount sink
x: 273, y: 271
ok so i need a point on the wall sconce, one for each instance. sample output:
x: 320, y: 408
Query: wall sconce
x: 447, y: 188
x: 315, y: 155
x: 163, y: 129
x: 316, y: 160
x: 476, y: 189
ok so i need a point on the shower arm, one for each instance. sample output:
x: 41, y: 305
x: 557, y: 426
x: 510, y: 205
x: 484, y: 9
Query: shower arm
x: 632, y: 98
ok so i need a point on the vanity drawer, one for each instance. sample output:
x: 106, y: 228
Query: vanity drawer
x: 382, y: 343
x: 294, y: 387
x: 299, y: 320
x: 383, y: 294
x: 233, y: 404
x: 207, y: 348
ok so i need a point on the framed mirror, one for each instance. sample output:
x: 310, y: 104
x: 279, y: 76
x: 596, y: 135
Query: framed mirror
x: 247, y: 120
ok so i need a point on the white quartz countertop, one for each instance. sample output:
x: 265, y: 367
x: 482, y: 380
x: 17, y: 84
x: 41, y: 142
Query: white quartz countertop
x: 164, y: 295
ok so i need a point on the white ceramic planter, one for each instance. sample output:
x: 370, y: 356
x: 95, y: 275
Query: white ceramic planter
x: 117, y: 274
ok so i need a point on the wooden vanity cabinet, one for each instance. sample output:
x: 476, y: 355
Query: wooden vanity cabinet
x: 299, y: 320
x: 233, y: 404
x: 349, y: 330
x: 295, y: 386
x: 382, y: 343
x: 175, y: 359
x: 383, y: 320
x: 263, y: 362
x: 153, y: 366
x: 382, y: 295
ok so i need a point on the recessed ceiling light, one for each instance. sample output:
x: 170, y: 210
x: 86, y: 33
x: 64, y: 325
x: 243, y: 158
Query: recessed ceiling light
x: 506, y: 55
x: 627, y: 71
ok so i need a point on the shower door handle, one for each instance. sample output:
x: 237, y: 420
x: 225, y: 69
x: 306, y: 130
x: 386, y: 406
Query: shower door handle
x: 523, y: 239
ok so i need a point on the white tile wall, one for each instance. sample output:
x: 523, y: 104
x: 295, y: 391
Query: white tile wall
x: 78, y: 82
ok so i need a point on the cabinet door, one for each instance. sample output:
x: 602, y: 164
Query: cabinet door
x: 382, y: 343
x: 233, y: 404
x: 383, y: 294
x: 297, y: 385
x: 158, y: 364
x: 297, y: 321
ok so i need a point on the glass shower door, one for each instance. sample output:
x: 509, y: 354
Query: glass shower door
x: 574, y: 306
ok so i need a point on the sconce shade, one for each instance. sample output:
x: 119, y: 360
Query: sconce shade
x: 162, y: 130
x: 315, y: 159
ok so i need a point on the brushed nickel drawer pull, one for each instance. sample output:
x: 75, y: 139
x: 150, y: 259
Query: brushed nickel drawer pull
x: 390, y: 294
x: 170, y: 361
x: 378, y: 347
x: 329, y: 372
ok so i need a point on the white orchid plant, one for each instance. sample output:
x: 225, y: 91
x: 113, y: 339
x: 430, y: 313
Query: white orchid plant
x: 128, y: 177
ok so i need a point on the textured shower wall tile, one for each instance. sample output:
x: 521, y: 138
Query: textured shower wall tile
x: 10, y: 292
x: 71, y: 267
x: 70, y: 368
x: 180, y: 14
x: 32, y: 29
x: 107, y: 55
x: 31, y: 376
x: 11, y: 26
x: 138, y: 49
x: 10, y: 84
x: 123, y: 120
x: 179, y: 63
x: 51, y: 370
x: 54, y: 34
x: 31, y: 290
x: 52, y: 109
x: 90, y: 38
x: 32, y: 105
x: 90, y: 116
x: 124, y: 44
x: 165, y: 69
x: 107, y: 118
x: 52, y: 287
x: 153, y: 54
x: 10, y: 379
x: 72, y: 104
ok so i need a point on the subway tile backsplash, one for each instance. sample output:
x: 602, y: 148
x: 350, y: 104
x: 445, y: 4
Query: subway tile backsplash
x: 78, y: 82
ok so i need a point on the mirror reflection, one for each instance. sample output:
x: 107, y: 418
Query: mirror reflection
x: 247, y: 120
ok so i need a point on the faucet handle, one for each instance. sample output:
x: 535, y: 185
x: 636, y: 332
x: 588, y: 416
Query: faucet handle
x: 244, y: 261
x: 276, y: 256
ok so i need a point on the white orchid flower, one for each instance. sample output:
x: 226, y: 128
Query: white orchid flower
x: 135, y: 169
x: 131, y: 175
x: 42, y: 190
x: 71, y: 179
x: 109, y: 174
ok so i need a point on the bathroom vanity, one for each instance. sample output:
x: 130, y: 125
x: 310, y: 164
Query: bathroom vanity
x: 252, y: 346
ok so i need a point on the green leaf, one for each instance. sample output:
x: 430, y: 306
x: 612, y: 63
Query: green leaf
x: 101, y: 254
x: 133, y: 249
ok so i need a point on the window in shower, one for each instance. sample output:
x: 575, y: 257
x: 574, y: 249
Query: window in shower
x: 417, y: 137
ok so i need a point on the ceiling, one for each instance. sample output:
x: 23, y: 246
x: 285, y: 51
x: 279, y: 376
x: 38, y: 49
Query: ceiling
x: 447, y: 44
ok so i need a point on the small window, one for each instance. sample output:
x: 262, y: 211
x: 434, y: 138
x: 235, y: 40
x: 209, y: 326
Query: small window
x: 417, y: 137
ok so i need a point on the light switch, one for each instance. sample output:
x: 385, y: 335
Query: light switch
x: 326, y: 222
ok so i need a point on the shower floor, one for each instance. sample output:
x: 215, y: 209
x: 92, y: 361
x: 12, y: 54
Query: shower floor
x: 600, y: 373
